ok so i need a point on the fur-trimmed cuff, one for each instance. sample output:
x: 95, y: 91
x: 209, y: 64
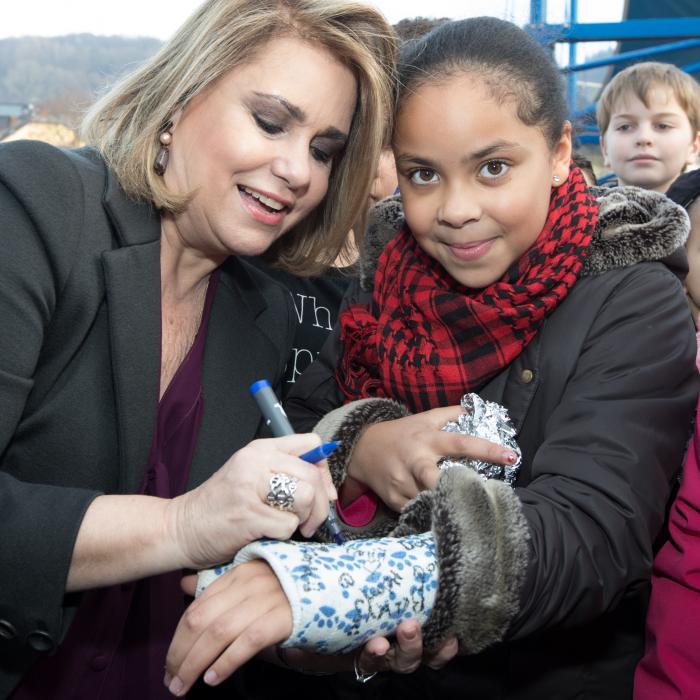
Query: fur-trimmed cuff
x: 482, y: 538
x: 347, y: 424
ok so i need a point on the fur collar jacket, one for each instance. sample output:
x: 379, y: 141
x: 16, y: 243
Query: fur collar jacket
x: 483, y: 537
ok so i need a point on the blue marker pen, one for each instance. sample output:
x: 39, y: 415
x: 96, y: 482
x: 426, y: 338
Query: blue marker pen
x: 271, y: 408
x: 320, y: 452
x: 276, y: 419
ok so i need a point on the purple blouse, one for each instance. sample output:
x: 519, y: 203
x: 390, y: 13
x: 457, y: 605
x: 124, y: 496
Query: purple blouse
x: 117, y: 644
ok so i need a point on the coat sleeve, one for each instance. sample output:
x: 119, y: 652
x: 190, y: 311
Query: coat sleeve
x: 601, y: 476
x: 566, y: 548
x: 671, y: 665
x: 39, y: 523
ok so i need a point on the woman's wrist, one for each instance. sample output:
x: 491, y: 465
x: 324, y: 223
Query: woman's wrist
x: 124, y: 538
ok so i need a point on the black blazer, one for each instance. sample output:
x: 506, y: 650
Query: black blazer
x: 80, y: 370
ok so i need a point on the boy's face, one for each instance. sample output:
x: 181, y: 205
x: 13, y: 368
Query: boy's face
x: 650, y: 146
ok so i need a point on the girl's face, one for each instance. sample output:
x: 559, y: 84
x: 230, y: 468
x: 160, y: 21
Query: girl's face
x: 475, y: 180
x: 257, y: 148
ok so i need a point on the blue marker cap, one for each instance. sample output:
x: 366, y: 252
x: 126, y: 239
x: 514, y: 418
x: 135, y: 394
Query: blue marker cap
x: 256, y: 386
x: 320, y: 452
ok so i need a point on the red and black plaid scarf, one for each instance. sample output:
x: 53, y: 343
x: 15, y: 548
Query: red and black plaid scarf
x: 427, y: 340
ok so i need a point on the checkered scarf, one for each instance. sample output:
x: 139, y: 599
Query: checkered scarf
x: 427, y: 340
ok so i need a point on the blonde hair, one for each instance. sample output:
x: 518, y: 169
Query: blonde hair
x: 639, y: 80
x: 125, y: 124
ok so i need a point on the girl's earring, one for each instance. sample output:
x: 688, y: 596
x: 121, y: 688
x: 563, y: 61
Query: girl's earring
x: 556, y: 179
x: 165, y: 138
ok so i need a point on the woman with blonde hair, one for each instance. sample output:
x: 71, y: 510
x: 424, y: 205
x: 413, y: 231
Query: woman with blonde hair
x: 132, y: 328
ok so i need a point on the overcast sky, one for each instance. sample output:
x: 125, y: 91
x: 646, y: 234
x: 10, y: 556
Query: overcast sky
x: 159, y: 18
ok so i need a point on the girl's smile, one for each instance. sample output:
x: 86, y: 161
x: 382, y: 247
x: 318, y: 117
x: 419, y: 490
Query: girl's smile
x: 471, y: 251
x: 475, y: 180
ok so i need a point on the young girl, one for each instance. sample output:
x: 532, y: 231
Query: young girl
x: 498, y: 272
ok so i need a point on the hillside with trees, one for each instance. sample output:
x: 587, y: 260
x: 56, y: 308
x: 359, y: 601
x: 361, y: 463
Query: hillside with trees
x: 61, y: 75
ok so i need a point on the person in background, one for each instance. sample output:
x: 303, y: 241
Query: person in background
x: 586, y: 168
x: 649, y: 121
x: 686, y: 192
x: 411, y: 28
x: 670, y: 668
x: 132, y: 328
x: 498, y: 272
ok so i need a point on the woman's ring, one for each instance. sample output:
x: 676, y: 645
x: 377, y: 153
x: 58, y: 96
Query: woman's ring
x: 280, y: 493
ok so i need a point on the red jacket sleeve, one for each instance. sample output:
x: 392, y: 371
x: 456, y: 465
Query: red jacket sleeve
x: 671, y: 664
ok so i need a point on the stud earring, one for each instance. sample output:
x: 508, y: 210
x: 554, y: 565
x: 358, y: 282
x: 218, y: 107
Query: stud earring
x: 556, y: 180
x: 165, y: 138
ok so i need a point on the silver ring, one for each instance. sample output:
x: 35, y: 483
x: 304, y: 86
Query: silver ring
x: 360, y: 675
x: 280, y: 492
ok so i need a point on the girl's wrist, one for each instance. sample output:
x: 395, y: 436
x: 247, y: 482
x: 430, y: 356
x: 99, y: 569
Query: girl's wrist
x: 355, y: 475
x: 350, y: 490
x: 341, y: 596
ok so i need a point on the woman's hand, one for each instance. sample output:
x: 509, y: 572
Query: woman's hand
x: 245, y: 612
x: 229, y: 510
x: 398, y: 459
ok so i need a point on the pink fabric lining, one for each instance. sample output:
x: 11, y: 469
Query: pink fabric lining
x: 359, y: 512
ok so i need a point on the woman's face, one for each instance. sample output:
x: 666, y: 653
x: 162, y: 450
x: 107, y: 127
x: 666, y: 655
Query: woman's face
x: 257, y: 148
x: 475, y: 180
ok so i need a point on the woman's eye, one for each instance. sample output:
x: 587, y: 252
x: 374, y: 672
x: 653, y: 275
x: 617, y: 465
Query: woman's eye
x: 266, y: 126
x: 320, y: 155
x: 423, y: 176
x: 493, y: 169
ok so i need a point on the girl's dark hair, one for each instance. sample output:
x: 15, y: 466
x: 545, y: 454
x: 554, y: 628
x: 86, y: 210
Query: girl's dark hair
x: 510, y: 63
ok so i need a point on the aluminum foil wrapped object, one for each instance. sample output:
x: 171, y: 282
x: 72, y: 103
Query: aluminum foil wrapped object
x: 488, y: 420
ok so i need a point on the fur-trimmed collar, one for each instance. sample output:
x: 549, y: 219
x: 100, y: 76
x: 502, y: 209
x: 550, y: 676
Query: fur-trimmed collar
x: 634, y: 225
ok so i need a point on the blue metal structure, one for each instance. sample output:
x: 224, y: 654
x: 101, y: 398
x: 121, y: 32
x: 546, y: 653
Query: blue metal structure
x: 684, y: 30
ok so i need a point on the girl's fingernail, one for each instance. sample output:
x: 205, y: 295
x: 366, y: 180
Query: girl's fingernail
x: 509, y: 457
x: 166, y: 679
x: 176, y: 686
x: 210, y: 677
x: 411, y: 634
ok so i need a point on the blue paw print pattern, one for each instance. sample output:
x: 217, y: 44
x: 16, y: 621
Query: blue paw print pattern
x: 343, y: 595
x: 205, y: 577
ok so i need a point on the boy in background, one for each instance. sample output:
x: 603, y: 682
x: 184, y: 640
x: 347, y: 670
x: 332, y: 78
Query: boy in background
x: 649, y: 121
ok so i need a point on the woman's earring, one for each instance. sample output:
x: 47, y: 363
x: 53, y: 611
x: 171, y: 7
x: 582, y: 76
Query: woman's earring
x: 556, y: 180
x: 165, y: 138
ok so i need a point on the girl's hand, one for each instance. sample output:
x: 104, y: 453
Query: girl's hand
x: 244, y: 611
x: 212, y: 522
x: 406, y: 654
x: 398, y: 459
x: 403, y: 655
